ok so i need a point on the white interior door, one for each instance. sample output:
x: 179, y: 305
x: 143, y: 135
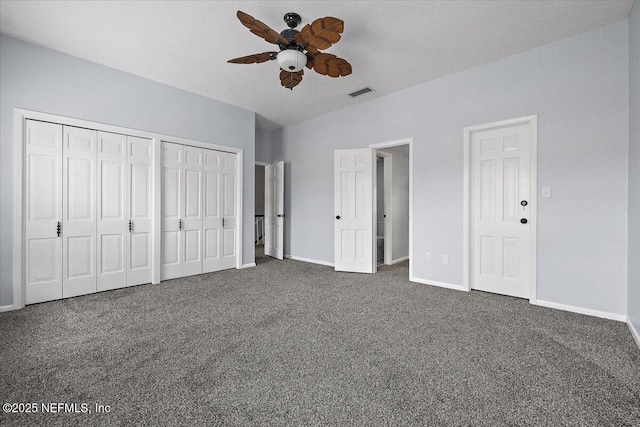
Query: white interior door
x: 43, y: 208
x: 501, y: 196
x: 274, y: 210
x: 112, y: 211
x: 354, y: 222
x: 172, y: 211
x: 79, y: 211
x: 212, y: 216
x: 229, y: 190
x: 139, y: 204
x: 192, y: 220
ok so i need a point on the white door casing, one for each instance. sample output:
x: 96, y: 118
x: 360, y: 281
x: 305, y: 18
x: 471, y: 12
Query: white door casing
x: 354, y: 210
x: 274, y: 210
x: 172, y: 211
x: 43, y: 209
x: 79, y: 152
x: 112, y: 211
x: 501, y: 205
x: 139, y: 161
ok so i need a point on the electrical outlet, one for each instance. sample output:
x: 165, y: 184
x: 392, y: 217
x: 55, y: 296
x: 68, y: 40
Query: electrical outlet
x: 445, y: 259
x: 429, y: 256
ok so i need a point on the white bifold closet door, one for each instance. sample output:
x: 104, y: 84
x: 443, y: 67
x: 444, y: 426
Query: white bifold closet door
x: 84, y: 189
x: 79, y: 211
x: 219, y: 217
x: 124, y: 211
x: 198, y: 210
x: 43, y: 212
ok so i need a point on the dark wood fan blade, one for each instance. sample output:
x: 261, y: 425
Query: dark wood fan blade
x: 321, y: 34
x: 330, y: 65
x: 290, y: 80
x: 256, y: 58
x: 260, y: 29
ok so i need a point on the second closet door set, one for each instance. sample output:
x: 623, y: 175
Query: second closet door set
x: 199, y: 213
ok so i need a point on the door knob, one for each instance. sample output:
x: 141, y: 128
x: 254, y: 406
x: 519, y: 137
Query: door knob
x: 280, y: 215
x: 524, y: 203
x: 338, y: 217
x: 524, y: 220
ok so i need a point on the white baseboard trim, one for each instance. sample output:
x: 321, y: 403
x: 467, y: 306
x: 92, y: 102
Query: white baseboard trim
x: 634, y: 332
x: 7, y: 308
x: 438, y: 284
x: 249, y: 265
x: 580, y: 310
x: 396, y: 261
x: 312, y: 261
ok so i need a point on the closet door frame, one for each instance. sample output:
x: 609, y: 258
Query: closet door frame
x: 20, y: 117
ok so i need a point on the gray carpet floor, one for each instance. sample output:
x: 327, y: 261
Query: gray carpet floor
x: 292, y: 343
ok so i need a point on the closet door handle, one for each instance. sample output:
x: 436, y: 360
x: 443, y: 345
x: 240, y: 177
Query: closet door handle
x: 59, y: 229
x: 130, y: 226
x: 222, y: 222
x: 180, y: 224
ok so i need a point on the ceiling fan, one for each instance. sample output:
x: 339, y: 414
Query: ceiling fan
x: 298, y: 48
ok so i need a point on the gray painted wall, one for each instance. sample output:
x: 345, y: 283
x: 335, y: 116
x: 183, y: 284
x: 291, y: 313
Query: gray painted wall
x: 264, y: 146
x: 40, y: 79
x: 579, y: 89
x: 634, y: 167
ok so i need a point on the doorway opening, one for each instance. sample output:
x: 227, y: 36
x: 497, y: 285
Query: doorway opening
x: 259, y: 230
x: 269, y: 210
x: 392, y: 204
x: 356, y: 210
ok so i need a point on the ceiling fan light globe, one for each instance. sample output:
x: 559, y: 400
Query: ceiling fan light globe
x: 291, y: 60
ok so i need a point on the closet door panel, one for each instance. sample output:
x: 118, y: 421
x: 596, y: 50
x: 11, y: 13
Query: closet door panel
x: 192, y: 221
x: 139, y: 262
x: 212, y: 216
x: 112, y: 208
x: 172, y: 210
x: 229, y: 210
x: 79, y: 211
x: 43, y: 211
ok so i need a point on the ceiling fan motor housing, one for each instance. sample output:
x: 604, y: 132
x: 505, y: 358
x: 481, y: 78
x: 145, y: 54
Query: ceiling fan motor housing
x: 292, y: 19
x: 291, y: 60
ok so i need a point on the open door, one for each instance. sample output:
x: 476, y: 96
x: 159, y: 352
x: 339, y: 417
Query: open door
x: 274, y: 209
x: 354, y: 221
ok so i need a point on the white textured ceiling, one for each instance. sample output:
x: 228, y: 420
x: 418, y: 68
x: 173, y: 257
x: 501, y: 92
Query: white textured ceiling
x: 391, y: 45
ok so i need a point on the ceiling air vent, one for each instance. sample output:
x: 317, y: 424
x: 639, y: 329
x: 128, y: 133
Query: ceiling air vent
x: 360, y: 92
